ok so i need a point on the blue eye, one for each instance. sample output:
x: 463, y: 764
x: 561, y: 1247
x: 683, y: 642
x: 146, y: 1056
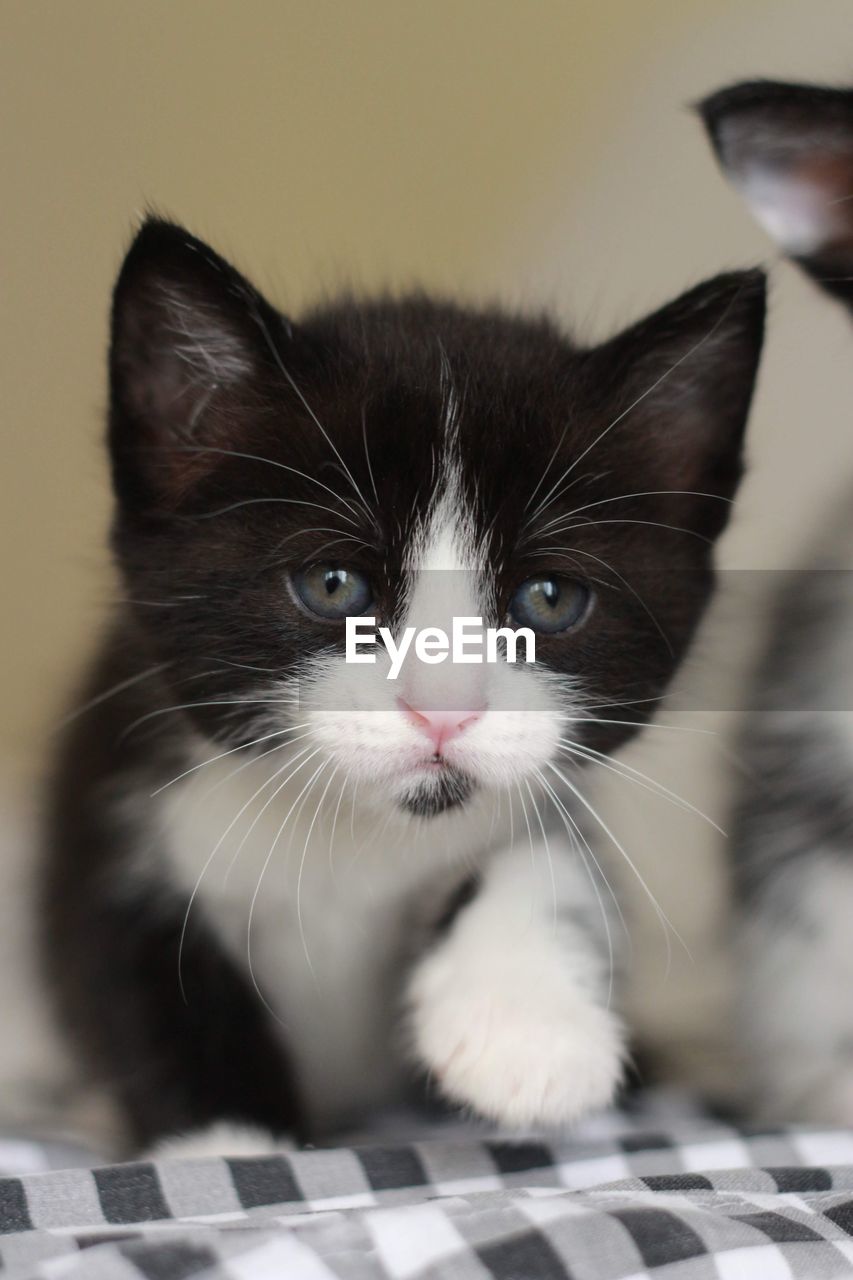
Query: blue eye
x: 550, y: 604
x: 332, y: 592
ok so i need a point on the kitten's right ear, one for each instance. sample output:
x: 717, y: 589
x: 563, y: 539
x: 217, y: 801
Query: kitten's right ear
x: 788, y: 149
x: 193, y: 347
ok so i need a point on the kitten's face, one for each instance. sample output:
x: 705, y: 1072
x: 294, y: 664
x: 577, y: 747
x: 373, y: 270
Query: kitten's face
x: 417, y: 462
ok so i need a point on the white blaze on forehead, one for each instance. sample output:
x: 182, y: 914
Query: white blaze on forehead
x: 448, y: 542
x: 446, y: 570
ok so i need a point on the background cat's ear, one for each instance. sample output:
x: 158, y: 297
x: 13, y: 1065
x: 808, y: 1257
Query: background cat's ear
x: 788, y: 149
x: 192, y: 348
x: 683, y: 379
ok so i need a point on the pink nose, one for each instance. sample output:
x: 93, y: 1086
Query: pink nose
x: 439, y: 726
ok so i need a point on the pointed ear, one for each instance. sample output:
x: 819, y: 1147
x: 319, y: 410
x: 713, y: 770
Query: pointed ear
x: 192, y: 350
x: 684, y: 378
x: 788, y: 149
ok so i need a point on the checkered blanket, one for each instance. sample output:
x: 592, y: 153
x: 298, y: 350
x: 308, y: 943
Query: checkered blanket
x: 620, y: 1200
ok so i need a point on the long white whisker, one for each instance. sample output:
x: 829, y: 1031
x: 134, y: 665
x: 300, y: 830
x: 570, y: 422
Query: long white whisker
x: 228, y: 777
x: 294, y: 823
x: 367, y: 458
x: 567, y: 815
x: 496, y: 809
x: 511, y: 817
x: 576, y: 836
x: 333, y: 542
x: 214, y: 702
x: 624, y: 702
x: 321, y: 528
x: 243, y: 746
x: 652, y: 524
x: 547, y: 855
x: 352, y: 810
x: 243, y: 666
x: 213, y: 854
x: 664, y: 920
x: 302, y: 936
x: 647, y: 493
x: 331, y: 857
x: 630, y: 774
x: 657, y: 382
x: 307, y: 755
x: 548, y: 466
x: 370, y: 837
x: 270, y: 462
x: 111, y: 693
x: 527, y: 824
x: 651, y: 724
x: 277, y: 357
x: 565, y: 518
x: 263, y: 871
x: 297, y: 502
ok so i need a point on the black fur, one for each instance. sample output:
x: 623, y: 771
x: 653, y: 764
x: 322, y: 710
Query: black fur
x: 175, y: 1054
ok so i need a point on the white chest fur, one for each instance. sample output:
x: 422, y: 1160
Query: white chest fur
x: 320, y: 903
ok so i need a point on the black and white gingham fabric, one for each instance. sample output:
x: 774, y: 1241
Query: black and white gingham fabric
x: 693, y: 1201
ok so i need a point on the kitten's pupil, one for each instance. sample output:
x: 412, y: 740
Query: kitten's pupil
x: 333, y: 579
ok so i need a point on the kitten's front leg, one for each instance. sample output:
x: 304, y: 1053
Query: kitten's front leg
x: 509, y: 1011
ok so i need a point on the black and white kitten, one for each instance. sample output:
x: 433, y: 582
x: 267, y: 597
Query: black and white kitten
x: 789, y: 150
x: 279, y: 887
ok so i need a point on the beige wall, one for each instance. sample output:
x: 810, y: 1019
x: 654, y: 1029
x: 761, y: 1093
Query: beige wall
x: 374, y: 141
x: 536, y: 149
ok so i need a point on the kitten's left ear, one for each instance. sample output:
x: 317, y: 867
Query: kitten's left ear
x: 788, y: 150
x: 683, y: 379
x: 194, y: 346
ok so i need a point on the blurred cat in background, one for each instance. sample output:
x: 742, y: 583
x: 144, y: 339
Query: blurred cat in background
x: 788, y: 149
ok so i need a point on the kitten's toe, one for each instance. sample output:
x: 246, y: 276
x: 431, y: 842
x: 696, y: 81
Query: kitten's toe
x: 221, y: 1139
x: 519, y: 1057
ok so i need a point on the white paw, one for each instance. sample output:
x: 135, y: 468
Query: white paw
x: 222, y: 1139
x: 517, y: 1053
